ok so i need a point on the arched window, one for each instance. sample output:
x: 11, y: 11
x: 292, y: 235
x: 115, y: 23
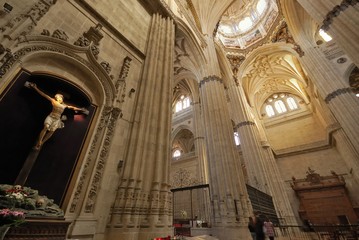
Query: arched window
x: 182, y: 103
x: 279, y: 106
x: 176, y: 153
x: 236, y: 139
x: 245, y: 24
x: 280, y: 103
x: 261, y: 6
x: 270, y: 111
x: 291, y: 103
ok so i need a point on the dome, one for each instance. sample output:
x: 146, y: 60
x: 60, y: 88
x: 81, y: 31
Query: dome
x: 245, y: 22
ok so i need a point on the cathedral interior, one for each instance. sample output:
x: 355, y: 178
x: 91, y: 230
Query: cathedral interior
x: 180, y: 117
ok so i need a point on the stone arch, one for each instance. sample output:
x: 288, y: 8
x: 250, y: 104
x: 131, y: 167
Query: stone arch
x: 78, y: 66
x: 183, y: 138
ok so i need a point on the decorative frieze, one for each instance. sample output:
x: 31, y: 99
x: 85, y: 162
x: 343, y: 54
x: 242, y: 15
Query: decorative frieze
x: 336, y: 11
x: 209, y: 79
x: 336, y: 93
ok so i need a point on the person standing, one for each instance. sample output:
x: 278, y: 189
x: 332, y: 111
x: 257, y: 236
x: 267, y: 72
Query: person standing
x: 251, y: 227
x: 269, y: 228
x: 258, y: 226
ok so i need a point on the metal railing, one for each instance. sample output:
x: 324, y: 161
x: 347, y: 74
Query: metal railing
x: 318, y: 232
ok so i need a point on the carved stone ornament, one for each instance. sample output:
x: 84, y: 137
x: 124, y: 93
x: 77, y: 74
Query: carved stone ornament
x: 45, y: 32
x: 94, y: 34
x: 82, y: 42
x: 120, y: 84
x: 60, y: 35
x: 95, y: 50
x: 106, y: 66
x: 183, y: 178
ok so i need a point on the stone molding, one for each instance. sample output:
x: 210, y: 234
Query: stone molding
x: 335, y: 12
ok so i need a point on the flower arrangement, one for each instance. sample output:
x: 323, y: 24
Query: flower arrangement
x: 28, y: 201
x: 17, y: 192
x: 11, y: 218
x: 13, y: 197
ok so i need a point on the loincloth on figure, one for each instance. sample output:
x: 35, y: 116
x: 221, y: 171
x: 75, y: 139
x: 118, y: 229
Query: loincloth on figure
x: 53, y: 122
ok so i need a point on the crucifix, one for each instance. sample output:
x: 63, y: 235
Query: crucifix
x: 52, y: 122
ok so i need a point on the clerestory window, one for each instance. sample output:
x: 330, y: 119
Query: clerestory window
x: 280, y: 103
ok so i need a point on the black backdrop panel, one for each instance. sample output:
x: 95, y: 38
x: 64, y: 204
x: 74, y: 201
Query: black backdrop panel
x: 23, y: 112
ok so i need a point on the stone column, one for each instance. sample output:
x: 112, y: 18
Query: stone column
x: 227, y: 184
x: 200, y: 146
x: 340, y: 19
x: 260, y: 163
x: 337, y: 95
x: 144, y: 199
